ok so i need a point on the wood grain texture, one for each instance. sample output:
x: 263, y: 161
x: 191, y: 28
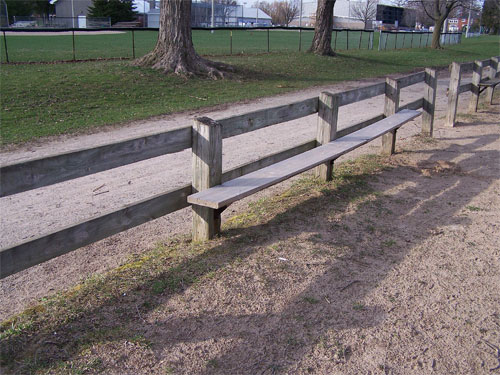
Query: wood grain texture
x: 453, y: 92
x: 326, y: 129
x: 46, y: 171
x: 429, y: 102
x: 207, y: 172
x: 476, y: 79
x: 43, y: 248
x: 251, y: 121
x: 228, y: 192
x: 362, y: 93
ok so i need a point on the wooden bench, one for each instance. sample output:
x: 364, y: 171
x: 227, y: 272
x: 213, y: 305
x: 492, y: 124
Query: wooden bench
x: 485, y: 84
x: 479, y: 84
x: 220, y: 196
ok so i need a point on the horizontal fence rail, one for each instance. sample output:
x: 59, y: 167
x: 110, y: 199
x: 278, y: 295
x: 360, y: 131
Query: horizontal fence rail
x: 456, y: 87
x: 45, y: 247
x: 46, y: 171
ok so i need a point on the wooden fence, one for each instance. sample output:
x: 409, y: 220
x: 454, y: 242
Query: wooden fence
x: 37, y: 173
x: 456, y: 87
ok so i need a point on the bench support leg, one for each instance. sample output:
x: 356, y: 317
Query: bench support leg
x: 324, y: 171
x: 328, y: 112
x: 476, y: 78
x: 206, y: 223
x: 494, y: 65
x: 207, y: 172
x: 389, y: 143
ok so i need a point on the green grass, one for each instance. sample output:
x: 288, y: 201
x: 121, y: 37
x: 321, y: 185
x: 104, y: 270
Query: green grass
x: 22, y: 48
x: 40, y: 100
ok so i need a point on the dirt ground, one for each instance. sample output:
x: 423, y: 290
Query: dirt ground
x: 30, y: 214
x: 402, y: 278
x: 396, y: 272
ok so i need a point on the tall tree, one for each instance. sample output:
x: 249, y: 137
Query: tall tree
x: 116, y: 10
x: 174, y: 51
x: 281, y: 12
x: 438, y: 11
x: 365, y: 11
x: 322, y: 40
x: 491, y: 16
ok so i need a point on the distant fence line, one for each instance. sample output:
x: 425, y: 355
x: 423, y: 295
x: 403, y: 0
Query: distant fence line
x: 141, y: 41
x: 414, y: 39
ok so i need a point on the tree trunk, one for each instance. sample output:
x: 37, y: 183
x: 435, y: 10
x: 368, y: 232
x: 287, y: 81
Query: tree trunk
x: 436, y: 34
x: 174, y: 50
x: 322, y: 41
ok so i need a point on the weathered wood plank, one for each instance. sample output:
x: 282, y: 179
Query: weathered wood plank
x: 326, y: 130
x: 453, y: 92
x: 416, y: 104
x: 41, y: 172
x: 30, y: 253
x: 207, y: 172
x: 267, y: 161
x: 411, y: 79
x: 228, y: 192
x: 464, y: 88
x: 494, y: 66
x: 251, y: 121
x: 392, y: 92
x: 362, y: 93
x: 429, y: 102
x: 358, y: 126
x: 476, y: 78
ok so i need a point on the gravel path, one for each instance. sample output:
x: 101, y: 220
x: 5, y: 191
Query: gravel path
x: 30, y: 214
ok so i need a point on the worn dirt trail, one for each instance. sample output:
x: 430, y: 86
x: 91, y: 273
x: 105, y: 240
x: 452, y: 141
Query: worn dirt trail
x: 48, y: 209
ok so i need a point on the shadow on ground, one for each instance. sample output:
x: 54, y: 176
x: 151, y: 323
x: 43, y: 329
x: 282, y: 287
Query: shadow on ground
x: 346, y: 242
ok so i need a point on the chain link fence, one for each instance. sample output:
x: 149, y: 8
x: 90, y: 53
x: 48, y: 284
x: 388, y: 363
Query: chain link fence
x: 48, y: 45
x: 413, y: 39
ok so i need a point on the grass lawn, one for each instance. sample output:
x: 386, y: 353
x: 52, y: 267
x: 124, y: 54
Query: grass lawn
x: 36, y: 48
x: 48, y: 99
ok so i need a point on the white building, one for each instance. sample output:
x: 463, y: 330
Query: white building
x: 342, y: 13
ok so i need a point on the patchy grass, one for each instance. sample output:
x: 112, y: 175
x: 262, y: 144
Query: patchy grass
x: 107, y: 309
x: 45, y: 100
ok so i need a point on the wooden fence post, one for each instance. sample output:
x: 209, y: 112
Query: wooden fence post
x: 494, y: 65
x: 207, y: 172
x: 476, y: 78
x: 456, y: 73
x: 392, y: 89
x: 328, y: 112
x: 429, y: 102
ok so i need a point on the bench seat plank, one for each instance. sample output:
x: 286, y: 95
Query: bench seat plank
x: 490, y: 82
x: 222, y: 195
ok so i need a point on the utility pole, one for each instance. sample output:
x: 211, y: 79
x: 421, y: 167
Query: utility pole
x: 300, y: 15
x: 73, y: 13
x: 468, y: 25
x: 213, y: 14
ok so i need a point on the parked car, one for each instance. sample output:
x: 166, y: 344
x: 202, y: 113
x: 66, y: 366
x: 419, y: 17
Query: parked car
x: 24, y: 24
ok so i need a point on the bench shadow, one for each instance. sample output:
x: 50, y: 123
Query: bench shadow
x: 267, y: 342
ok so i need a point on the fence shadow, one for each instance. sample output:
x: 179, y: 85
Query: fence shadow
x: 276, y: 338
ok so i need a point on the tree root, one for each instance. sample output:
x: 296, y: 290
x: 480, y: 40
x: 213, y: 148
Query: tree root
x: 185, y: 64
